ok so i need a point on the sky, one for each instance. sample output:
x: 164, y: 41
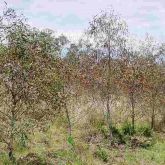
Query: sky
x: 71, y: 17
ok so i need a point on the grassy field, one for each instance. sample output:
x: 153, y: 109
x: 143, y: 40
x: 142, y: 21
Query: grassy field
x: 87, y: 147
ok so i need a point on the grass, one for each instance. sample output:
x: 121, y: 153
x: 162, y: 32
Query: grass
x: 153, y: 156
x: 91, y: 147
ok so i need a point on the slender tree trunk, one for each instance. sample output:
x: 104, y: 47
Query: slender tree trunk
x: 153, y: 113
x: 109, y: 92
x: 13, y: 120
x: 153, y: 119
x: 133, y: 110
x: 11, y: 151
x: 67, y: 116
x: 69, y: 122
x: 109, y: 117
x: 10, y: 144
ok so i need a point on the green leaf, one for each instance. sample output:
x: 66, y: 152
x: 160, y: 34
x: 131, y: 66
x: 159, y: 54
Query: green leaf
x: 70, y: 141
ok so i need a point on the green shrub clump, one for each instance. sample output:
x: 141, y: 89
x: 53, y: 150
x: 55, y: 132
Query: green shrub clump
x: 102, y: 154
x: 127, y: 129
x: 145, y: 130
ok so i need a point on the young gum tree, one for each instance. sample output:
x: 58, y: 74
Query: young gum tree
x: 28, y: 76
x: 131, y: 79
x: 154, y: 75
x: 108, y: 32
x: 13, y: 77
x: 154, y: 89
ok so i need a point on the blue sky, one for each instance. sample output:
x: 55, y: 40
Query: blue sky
x: 71, y: 17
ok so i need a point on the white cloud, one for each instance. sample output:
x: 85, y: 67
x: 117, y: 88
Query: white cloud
x: 141, y: 15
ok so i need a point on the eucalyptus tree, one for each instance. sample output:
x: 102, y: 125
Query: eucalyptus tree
x: 108, y: 33
x: 154, y: 75
x: 131, y: 79
x: 28, y: 77
x: 47, y: 42
x: 154, y: 89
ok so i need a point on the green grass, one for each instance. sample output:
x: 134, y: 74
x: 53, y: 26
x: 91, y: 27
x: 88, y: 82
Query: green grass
x: 153, y: 156
x: 52, y: 147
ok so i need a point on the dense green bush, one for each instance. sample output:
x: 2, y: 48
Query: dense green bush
x: 127, y: 129
x: 117, y: 134
x: 145, y: 130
